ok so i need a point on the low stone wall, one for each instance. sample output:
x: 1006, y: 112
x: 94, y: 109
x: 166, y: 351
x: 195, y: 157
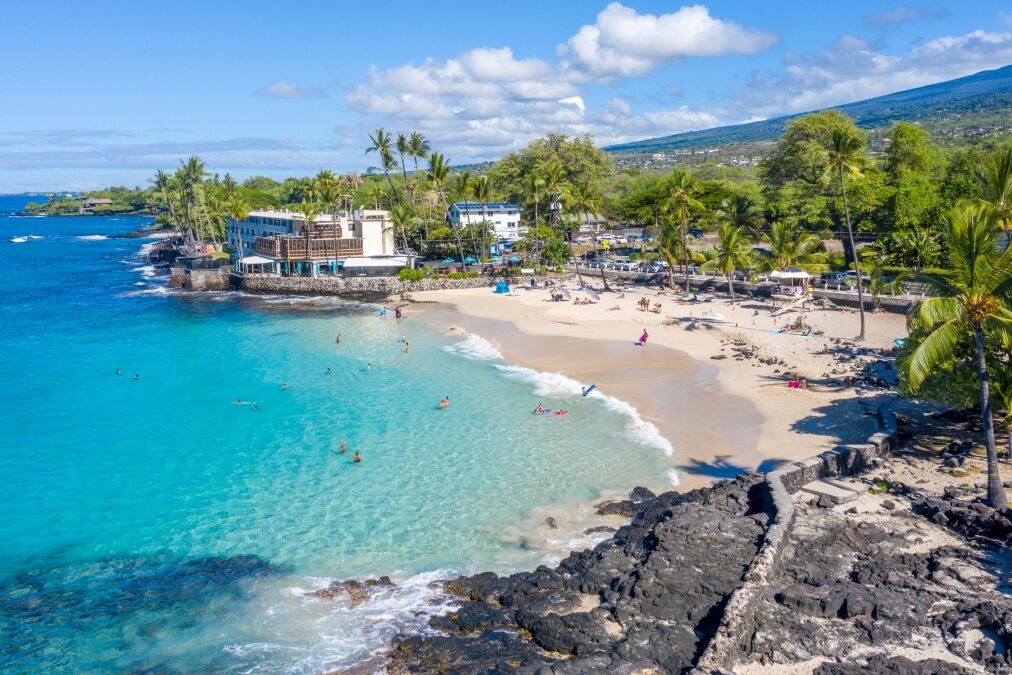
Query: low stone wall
x: 352, y: 287
x: 738, y: 624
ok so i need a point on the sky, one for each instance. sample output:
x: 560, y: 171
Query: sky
x: 106, y: 93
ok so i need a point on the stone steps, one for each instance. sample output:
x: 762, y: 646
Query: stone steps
x: 837, y: 491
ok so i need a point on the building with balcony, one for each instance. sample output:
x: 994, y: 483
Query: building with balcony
x: 282, y: 242
x: 503, y: 218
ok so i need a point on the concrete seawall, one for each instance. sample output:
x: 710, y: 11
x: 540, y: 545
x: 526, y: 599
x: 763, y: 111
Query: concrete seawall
x: 729, y: 645
x: 366, y: 288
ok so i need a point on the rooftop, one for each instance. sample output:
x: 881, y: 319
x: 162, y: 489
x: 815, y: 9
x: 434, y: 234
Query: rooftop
x: 487, y: 206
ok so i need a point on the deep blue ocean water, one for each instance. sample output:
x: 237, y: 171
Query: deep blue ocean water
x: 153, y: 524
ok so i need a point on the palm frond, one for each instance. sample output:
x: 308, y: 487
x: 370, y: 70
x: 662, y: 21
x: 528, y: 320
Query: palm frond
x: 936, y: 348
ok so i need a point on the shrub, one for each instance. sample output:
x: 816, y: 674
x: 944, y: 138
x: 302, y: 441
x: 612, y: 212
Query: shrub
x: 409, y: 274
x: 462, y: 275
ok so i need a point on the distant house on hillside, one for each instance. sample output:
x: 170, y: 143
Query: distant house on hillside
x: 503, y: 218
x: 90, y: 203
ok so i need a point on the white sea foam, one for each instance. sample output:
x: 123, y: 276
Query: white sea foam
x: 557, y: 385
x: 145, y: 249
x: 474, y: 347
x: 92, y: 237
x: 150, y: 290
x: 28, y: 237
x: 146, y: 271
x: 317, y: 635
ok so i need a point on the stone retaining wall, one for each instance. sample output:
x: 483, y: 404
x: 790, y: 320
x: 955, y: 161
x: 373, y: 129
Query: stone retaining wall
x: 737, y: 626
x: 354, y: 287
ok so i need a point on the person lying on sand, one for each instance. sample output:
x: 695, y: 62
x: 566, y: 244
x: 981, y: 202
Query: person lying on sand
x: 612, y: 309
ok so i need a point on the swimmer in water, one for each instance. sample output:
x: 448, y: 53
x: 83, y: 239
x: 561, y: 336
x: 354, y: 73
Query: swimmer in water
x: 329, y: 371
x: 540, y: 408
x: 356, y: 458
x: 338, y: 340
x: 344, y: 447
x: 136, y: 376
x: 404, y: 338
x: 407, y: 348
x: 368, y: 366
x: 284, y: 386
x: 254, y: 407
x: 445, y: 403
x: 119, y: 372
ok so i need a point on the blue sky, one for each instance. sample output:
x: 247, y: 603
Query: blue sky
x: 106, y: 93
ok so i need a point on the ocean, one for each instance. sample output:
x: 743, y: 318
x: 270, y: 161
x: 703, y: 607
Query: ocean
x: 152, y: 523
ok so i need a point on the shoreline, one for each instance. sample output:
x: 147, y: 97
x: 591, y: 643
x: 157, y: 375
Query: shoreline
x: 742, y: 416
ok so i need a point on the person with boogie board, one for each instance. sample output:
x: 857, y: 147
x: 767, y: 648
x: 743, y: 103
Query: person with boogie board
x: 587, y: 390
x: 643, y: 338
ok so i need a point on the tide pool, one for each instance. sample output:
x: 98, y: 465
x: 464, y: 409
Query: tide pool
x: 152, y: 523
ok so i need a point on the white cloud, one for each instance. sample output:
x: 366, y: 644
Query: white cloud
x: 902, y: 14
x: 286, y: 89
x: 851, y: 70
x: 624, y: 43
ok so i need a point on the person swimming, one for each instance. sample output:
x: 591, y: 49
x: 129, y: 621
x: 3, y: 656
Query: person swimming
x: 284, y: 386
x: 368, y: 366
x: 407, y: 348
x: 356, y: 458
x: 254, y: 407
x: 540, y: 408
x: 338, y: 340
x: 136, y: 376
x: 344, y: 447
x: 119, y: 372
x: 445, y: 403
x: 329, y: 371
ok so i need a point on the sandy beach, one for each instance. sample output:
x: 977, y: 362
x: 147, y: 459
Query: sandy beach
x: 723, y: 415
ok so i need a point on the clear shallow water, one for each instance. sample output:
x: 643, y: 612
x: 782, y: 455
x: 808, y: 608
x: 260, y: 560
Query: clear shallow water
x: 154, y: 524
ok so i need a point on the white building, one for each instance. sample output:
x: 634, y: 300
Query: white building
x: 503, y: 218
x: 324, y: 246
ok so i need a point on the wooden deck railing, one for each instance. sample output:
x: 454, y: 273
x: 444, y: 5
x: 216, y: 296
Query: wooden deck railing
x: 293, y: 248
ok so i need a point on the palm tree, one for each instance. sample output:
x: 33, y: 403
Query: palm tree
x: 734, y: 250
x: 483, y: 194
x: 165, y: 184
x: 418, y: 148
x: 534, y: 186
x: 845, y: 154
x: 403, y: 146
x: 402, y: 215
x: 382, y: 144
x: 995, y: 176
x: 792, y: 247
x: 974, y: 294
x: 237, y: 210
x: 557, y: 193
x: 376, y: 194
x: 439, y: 172
x: 740, y: 210
x: 586, y: 199
x: 681, y: 201
x: 229, y: 187
x: 879, y: 283
x: 465, y: 186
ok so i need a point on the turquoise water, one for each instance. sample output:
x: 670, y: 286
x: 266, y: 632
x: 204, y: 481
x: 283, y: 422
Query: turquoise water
x: 151, y: 523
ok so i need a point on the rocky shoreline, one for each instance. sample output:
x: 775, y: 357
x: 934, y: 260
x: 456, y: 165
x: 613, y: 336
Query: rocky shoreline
x: 899, y: 580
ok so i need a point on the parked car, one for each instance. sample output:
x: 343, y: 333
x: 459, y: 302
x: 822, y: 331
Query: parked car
x: 852, y: 276
x: 628, y: 266
x: 739, y: 275
x: 834, y: 277
x: 695, y: 233
x: 619, y: 239
x: 585, y: 239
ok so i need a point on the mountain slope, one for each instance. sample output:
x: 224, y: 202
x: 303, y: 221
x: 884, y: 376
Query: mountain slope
x: 944, y: 108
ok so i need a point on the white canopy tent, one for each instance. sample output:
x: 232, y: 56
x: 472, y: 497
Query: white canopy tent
x: 256, y: 264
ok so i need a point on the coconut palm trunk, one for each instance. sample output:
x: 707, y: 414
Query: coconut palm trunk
x: 853, y: 251
x: 995, y: 491
x: 685, y: 249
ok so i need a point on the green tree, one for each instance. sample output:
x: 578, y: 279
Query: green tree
x: 402, y: 216
x: 418, y: 148
x: 438, y: 175
x: 733, y: 251
x: 974, y: 295
x: 995, y: 175
x: 844, y: 154
x: 792, y: 247
x: 585, y: 199
x: 381, y: 143
x: 681, y: 202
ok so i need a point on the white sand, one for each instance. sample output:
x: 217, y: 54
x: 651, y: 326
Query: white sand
x: 791, y: 424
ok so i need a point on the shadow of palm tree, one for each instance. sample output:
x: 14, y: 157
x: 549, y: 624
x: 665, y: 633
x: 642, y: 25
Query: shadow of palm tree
x: 722, y: 467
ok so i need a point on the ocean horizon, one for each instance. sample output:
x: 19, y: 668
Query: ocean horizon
x: 157, y: 524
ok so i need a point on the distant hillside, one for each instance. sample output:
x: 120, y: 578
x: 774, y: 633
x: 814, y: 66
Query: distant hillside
x: 975, y: 106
